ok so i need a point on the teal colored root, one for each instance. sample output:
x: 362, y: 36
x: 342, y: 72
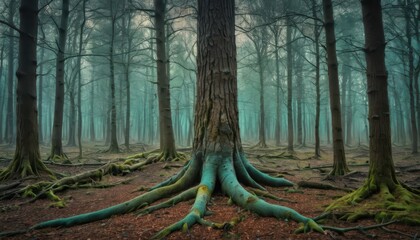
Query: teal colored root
x: 174, y: 178
x: 128, y: 206
x: 227, y: 168
x: 243, y: 174
x: 182, y: 197
x: 263, y: 178
x: 243, y: 198
x: 207, y: 184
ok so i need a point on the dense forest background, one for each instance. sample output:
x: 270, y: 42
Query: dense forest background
x: 216, y: 99
x: 277, y: 45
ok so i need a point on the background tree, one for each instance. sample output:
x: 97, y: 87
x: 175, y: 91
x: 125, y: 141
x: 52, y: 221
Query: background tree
x: 9, y: 134
x: 382, y: 195
x: 27, y: 159
x: 339, y: 164
x: 57, y: 152
x: 167, y: 140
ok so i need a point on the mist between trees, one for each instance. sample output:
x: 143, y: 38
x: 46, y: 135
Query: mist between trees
x: 277, y: 52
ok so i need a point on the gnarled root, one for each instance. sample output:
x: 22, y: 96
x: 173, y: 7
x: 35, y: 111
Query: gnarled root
x: 382, y: 202
x: 225, y: 169
x: 20, y: 169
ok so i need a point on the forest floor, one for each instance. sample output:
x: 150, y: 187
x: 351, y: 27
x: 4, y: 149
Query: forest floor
x: 297, y: 167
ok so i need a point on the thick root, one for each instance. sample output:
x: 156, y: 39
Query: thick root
x: 21, y: 169
x: 198, y: 210
x: 263, y: 178
x: 215, y: 167
x: 182, y: 197
x: 59, y: 158
x: 243, y: 198
x: 380, y: 203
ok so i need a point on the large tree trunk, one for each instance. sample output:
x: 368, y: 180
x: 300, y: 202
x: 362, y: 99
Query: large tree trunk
x: 382, y: 188
x: 167, y: 140
x: 11, y: 56
x: 27, y: 159
x: 56, y: 141
x: 317, y: 84
x: 339, y: 165
x: 217, y: 152
x: 289, y: 85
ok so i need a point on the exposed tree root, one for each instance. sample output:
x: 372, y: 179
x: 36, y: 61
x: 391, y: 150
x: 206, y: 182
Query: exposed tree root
x: 382, y: 202
x: 227, y: 170
x: 59, y: 158
x: 22, y: 169
x: 84, y: 179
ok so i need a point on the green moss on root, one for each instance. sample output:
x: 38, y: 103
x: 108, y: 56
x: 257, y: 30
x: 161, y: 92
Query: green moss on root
x: 380, y: 203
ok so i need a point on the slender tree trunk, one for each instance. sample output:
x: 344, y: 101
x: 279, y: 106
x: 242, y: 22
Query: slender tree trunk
x: 40, y: 97
x: 167, y: 141
x: 113, y: 148
x: 2, y: 99
x: 278, y: 104
x: 289, y: 86
x: 300, y: 86
x: 27, y: 159
x: 261, y: 133
x: 56, y: 141
x: 339, y: 165
x: 72, y: 114
x: 92, y: 111
x: 79, y: 81
x: 349, y: 110
x: 345, y: 80
x: 127, y: 81
x: 411, y: 81
x: 317, y: 84
x: 10, y: 77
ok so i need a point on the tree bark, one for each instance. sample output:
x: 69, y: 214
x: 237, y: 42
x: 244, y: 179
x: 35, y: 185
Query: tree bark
x: 92, y: 111
x: 56, y: 141
x: 261, y: 133
x: 317, y: 84
x: 339, y: 165
x: 289, y: 85
x: 27, y: 159
x: 11, y: 55
x: 167, y: 140
x: 40, y: 93
x: 381, y: 165
x: 79, y: 81
x: 411, y: 81
x: 278, y: 104
x: 113, y: 147
x: 3, y: 93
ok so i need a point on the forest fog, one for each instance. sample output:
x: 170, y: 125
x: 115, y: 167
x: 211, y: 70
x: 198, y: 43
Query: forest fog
x: 276, y: 72
x: 239, y: 97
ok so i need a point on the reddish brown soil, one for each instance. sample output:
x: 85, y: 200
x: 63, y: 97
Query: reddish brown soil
x: 309, y: 202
